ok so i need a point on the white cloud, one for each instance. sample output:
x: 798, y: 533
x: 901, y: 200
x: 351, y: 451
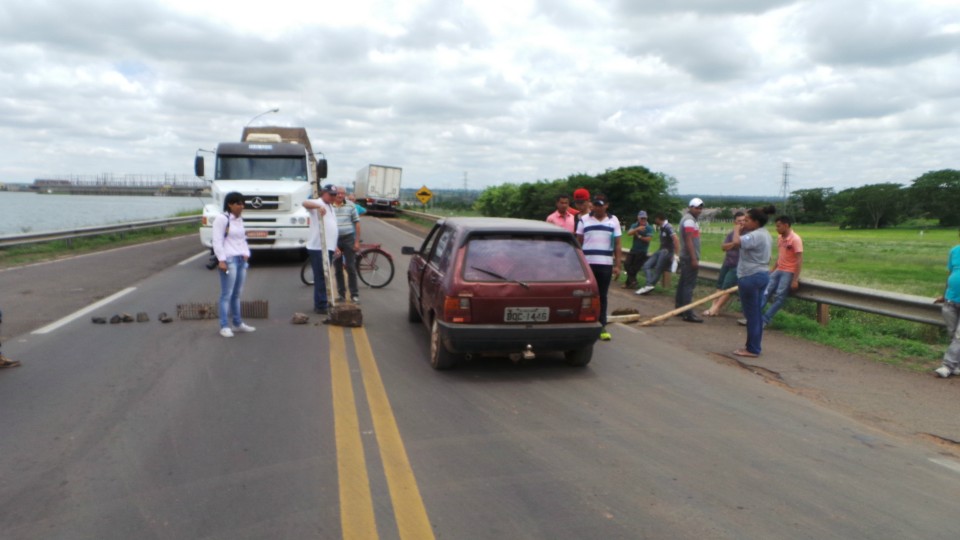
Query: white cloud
x: 717, y: 93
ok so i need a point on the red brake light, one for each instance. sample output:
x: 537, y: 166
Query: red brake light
x: 589, y: 308
x: 456, y: 310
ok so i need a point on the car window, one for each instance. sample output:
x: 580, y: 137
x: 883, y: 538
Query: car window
x: 430, y: 240
x: 441, y: 251
x: 522, y: 258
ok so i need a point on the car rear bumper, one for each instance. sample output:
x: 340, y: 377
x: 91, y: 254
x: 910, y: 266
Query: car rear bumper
x: 503, y: 338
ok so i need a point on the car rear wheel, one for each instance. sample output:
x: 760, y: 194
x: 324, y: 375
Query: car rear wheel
x: 412, y: 314
x: 440, y: 357
x: 579, y: 357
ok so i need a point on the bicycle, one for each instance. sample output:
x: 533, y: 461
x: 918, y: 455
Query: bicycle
x: 374, y: 267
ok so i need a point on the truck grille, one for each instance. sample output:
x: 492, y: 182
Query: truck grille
x: 262, y: 202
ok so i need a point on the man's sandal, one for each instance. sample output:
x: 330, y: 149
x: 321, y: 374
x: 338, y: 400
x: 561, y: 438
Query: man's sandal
x: 6, y: 362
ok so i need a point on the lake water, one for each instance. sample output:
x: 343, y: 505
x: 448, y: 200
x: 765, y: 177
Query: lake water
x: 22, y: 213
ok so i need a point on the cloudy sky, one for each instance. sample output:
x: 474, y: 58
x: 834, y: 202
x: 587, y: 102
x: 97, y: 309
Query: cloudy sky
x: 717, y: 93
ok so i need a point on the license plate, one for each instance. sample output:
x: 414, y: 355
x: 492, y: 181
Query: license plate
x: 526, y: 314
x: 257, y: 234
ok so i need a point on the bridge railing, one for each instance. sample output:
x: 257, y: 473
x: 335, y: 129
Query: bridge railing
x: 70, y: 234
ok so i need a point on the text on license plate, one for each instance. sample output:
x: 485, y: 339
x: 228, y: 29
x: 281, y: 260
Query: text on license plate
x: 257, y: 234
x: 526, y: 314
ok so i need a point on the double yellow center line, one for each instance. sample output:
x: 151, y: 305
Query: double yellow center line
x: 357, y: 518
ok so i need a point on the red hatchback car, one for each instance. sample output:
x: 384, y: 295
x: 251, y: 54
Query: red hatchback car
x: 500, y: 286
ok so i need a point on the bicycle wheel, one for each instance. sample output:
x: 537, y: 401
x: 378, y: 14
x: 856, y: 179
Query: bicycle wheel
x: 306, y: 273
x: 375, y: 267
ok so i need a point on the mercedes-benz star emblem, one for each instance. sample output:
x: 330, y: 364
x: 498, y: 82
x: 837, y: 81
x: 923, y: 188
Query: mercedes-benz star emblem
x: 256, y: 202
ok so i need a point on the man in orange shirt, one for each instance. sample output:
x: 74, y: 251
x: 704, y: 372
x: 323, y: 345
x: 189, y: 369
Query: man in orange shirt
x: 785, y: 276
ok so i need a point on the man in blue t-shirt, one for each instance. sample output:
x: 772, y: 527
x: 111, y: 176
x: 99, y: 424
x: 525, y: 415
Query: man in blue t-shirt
x: 951, y: 315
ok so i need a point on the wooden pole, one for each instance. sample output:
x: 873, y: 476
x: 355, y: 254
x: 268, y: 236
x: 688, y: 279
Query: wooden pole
x: 680, y: 310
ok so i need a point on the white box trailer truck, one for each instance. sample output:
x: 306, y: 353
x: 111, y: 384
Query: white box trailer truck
x: 377, y: 188
x: 275, y: 170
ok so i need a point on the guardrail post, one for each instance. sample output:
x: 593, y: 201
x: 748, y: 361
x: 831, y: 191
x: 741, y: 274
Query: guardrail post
x: 823, y: 313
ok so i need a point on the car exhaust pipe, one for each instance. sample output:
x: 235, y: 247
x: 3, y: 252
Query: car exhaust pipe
x: 528, y: 353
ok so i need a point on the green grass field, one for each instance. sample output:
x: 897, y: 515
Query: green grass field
x: 898, y: 260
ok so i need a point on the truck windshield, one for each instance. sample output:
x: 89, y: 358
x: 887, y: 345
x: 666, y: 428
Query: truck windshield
x: 261, y: 168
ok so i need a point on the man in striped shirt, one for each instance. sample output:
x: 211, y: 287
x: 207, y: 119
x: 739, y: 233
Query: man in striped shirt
x: 599, y: 236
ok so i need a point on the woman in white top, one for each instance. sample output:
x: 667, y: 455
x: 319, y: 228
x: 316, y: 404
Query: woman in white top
x: 233, y: 253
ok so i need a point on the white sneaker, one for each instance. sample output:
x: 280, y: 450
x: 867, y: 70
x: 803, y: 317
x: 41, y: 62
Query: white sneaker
x: 244, y: 328
x: 644, y: 290
x: 226, y: 332
x: 944, y: 371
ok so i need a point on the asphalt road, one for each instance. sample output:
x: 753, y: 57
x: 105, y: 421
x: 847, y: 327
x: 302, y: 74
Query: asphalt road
x: 146, y: 430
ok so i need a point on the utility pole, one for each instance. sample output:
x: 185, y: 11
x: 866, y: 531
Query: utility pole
x: 785, y: 186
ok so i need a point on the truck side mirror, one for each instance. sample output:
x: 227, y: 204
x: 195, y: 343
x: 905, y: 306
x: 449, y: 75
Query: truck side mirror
x: 198, y: 166
x: 321, y: 168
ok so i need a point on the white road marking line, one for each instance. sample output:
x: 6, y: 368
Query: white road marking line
x: 948, y: 463
x: 191, y: 259
x: 388, y: 224
x: 77, y: 314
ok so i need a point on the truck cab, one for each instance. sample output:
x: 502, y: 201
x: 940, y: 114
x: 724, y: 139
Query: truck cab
x: 275, y: 177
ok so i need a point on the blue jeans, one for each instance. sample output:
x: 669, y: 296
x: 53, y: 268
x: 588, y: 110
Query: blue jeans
x: 655, y: 265
x: 751, y: 299
x: 603, y: 273
x: 231, y: 285
x: 779, y: 287
x: 319, y: 279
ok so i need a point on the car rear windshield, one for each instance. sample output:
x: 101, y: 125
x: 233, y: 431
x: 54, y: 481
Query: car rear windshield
x: 522, y: 258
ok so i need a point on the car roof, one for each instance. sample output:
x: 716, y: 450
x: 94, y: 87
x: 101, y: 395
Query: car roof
x: 501, y: 225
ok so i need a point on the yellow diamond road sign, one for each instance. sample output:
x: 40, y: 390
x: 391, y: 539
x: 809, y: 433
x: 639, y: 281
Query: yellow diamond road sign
x: 424, y: 195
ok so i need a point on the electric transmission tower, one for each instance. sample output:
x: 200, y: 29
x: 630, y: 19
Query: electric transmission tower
x: 785, y: 187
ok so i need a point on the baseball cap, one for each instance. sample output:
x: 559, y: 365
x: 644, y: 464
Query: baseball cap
x: 581, y: 194
x: 641, y: 214
x: 329, y: 188
x: 695, y: 202
x: 599, y: 201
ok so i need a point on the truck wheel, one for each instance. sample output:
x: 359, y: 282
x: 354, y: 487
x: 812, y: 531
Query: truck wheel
x: 579, y: 357
x: 440, y: 357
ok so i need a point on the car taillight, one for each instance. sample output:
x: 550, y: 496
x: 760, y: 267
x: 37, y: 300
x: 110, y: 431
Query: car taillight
x: 589, y: 308
x: 456, y: 310
x: 203, y: 221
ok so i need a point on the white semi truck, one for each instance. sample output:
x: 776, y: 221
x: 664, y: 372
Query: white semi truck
x: 275, y: 170
x: 377, y: 188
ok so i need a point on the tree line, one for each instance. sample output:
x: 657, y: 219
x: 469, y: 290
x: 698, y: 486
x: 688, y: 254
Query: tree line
x: 932, y: 196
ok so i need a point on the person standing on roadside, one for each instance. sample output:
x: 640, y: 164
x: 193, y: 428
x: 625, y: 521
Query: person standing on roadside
x: 321, y: 209
x: 642, y: 233
x: 4, y: 361
x: 785, y: 276
x: 599, y: 236
x: 753, y: 275
x: 689, y: 258
x: 564, y: 216
x: 951, y: 315
x: 728, y: 270
x: 233, y: 256
x: 657, y: 264
x: 581, y: 206
x: 348, y: 242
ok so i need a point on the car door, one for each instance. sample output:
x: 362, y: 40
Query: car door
x: 437, y: 267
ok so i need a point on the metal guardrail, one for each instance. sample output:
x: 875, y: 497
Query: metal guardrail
x: 889, y: 304
x: 40, y: 238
